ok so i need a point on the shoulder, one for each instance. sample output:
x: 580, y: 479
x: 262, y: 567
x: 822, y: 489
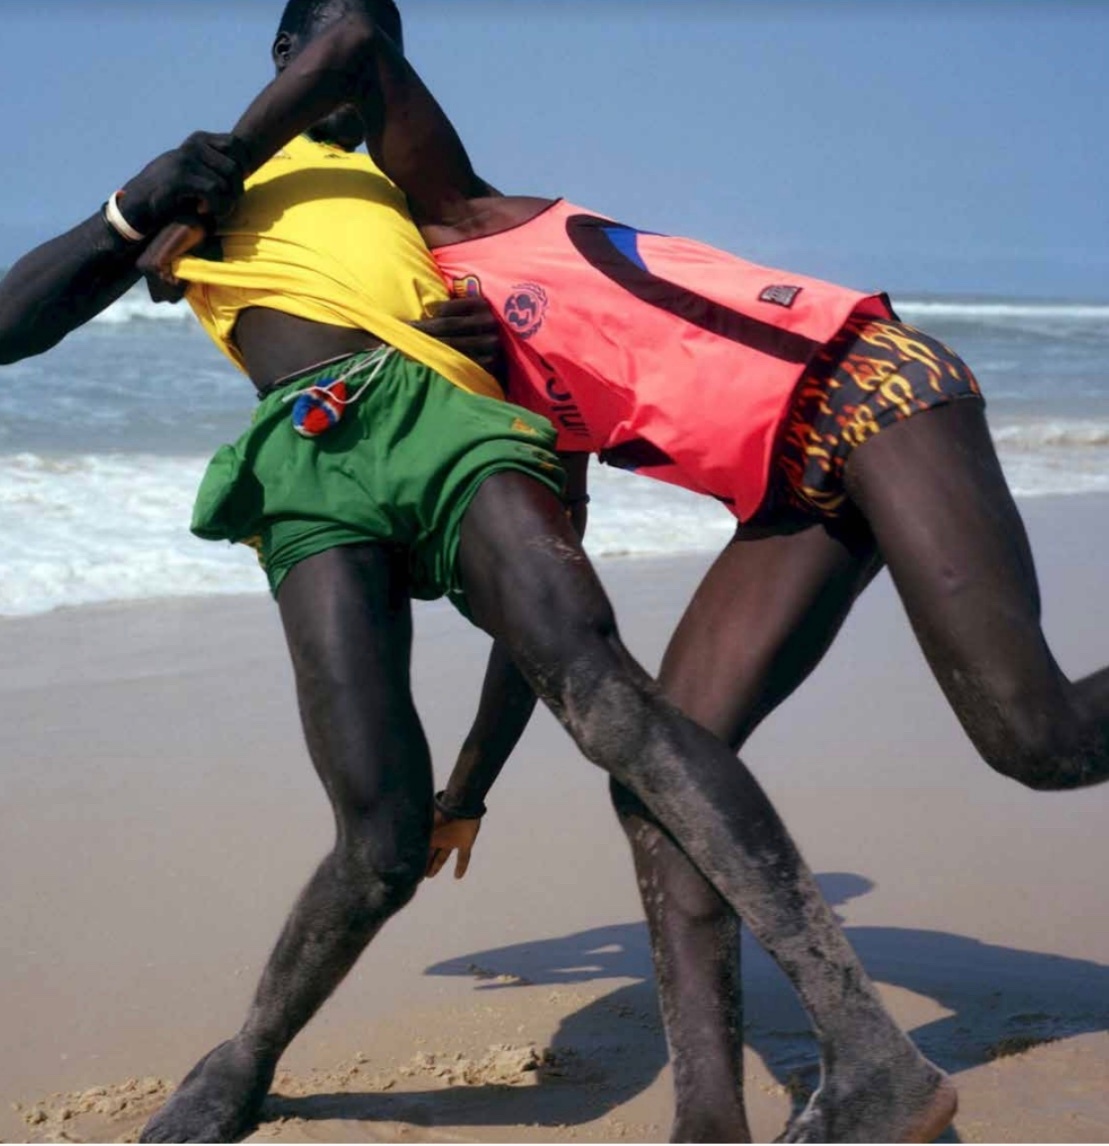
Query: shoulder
x: 486, y: 216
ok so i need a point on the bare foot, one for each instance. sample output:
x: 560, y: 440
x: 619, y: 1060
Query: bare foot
x: 882, y: 1105
x: 218, y: 1101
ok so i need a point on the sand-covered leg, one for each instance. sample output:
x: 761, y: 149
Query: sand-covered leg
x: 348, y: 623
x: 695, y: 950
x: 934, y: 495
x: 902, y: 1101
x: 760, y: 621
x: 531, y: 586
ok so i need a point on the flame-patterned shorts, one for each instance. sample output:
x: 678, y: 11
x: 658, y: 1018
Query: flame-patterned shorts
x: 874, y: 373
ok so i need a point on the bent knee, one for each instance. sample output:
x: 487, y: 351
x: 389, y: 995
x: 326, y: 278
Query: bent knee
x: 396, y: 886
x: 613, y: 716
x: 1045, y: 755
x: 568, y: 659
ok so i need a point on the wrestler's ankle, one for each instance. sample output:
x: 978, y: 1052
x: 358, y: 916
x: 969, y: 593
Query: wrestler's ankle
x: 712, y: 1126
x: 256, y: 1052
x: 863, y: 1030
x: 718, y: 1116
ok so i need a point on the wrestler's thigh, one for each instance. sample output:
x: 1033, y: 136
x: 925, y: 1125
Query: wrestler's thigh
x: 348, y: 623
x: 932, y: 491
x: 526, y: 577
x: 760, y: 622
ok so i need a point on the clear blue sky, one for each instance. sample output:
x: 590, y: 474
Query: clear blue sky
x: 951, y: 146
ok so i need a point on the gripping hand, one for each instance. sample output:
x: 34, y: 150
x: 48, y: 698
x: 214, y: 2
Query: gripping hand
x: 469, y: 325
x: 204, y: 176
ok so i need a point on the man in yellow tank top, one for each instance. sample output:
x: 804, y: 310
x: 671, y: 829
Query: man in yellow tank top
x: 369, y: 477
x: 321, y: 242
x: 323, y: 235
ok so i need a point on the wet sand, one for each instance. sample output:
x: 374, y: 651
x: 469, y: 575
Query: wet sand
x: 159, y: 815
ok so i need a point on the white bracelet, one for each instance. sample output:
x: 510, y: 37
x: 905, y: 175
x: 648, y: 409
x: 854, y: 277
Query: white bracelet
x: 118, y: 223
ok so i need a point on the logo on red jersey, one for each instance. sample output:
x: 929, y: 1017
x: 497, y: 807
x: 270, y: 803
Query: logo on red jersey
x: 525, y: 308
x: 780, y: 294
x: 468, y: 287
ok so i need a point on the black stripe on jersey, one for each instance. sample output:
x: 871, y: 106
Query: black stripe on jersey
x: 605, y: 246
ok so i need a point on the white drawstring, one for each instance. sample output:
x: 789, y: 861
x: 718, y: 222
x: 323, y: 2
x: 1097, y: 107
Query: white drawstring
x: 377, y: 360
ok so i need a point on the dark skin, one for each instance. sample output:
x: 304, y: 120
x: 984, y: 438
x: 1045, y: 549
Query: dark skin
x: 929, y: 501
x: 927, y: 498
x: 530, y: 586
x: 346, y: 614
x: 65, y: 282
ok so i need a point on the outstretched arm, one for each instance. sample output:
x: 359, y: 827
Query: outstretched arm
x: 65, y: 282
x: 507, y: 703
x: 60, y: 285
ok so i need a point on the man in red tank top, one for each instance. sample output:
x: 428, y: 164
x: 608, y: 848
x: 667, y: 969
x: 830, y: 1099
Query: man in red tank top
x: 880, y: 455
x: 833, y: 472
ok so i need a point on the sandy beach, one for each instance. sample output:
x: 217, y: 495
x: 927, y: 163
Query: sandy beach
x: 159, y: 814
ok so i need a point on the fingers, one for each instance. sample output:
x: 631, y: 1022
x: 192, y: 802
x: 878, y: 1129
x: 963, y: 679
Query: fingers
x: 209, y: 169
x: 451, y: 836
x: 464, y: 305
x: 457, y: 332
x: 436, y: 860
x: 156, y: 261
x: 162, y: 291
x: 216, y: 178
x: 222, y: 154
x: 476, y: 335
x: 481, y: 348
x: 461, y: 317
x: 234, y: 149
x: 466, y: 341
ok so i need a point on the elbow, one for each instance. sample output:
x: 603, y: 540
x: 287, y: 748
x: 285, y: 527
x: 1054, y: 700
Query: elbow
x: 15, y: 345
x: 12, y: 325
x: 13, y: 350
x: 353, y: 43
x: 10, y: 348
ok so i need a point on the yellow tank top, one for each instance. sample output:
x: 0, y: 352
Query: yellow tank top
x: 322, y: 234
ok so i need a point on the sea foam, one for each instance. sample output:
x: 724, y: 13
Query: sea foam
x: 972, y: 310
x: 136, y: 306
x: 108, y: 527
x: 83, y: 529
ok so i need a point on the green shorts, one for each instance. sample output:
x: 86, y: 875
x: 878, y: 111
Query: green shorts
x: 400, y: 468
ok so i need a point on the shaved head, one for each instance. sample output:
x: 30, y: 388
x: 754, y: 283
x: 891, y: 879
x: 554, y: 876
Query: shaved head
x: 302, y: 19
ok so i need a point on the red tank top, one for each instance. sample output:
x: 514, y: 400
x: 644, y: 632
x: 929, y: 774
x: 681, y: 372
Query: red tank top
x: 663, y: 355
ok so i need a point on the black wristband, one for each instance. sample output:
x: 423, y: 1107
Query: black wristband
x: 456, y: 813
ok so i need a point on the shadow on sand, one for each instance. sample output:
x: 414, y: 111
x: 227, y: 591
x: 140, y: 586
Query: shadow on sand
x: 1002, y: 1000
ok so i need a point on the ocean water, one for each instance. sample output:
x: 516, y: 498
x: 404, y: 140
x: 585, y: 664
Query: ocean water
x: 103, y: 441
